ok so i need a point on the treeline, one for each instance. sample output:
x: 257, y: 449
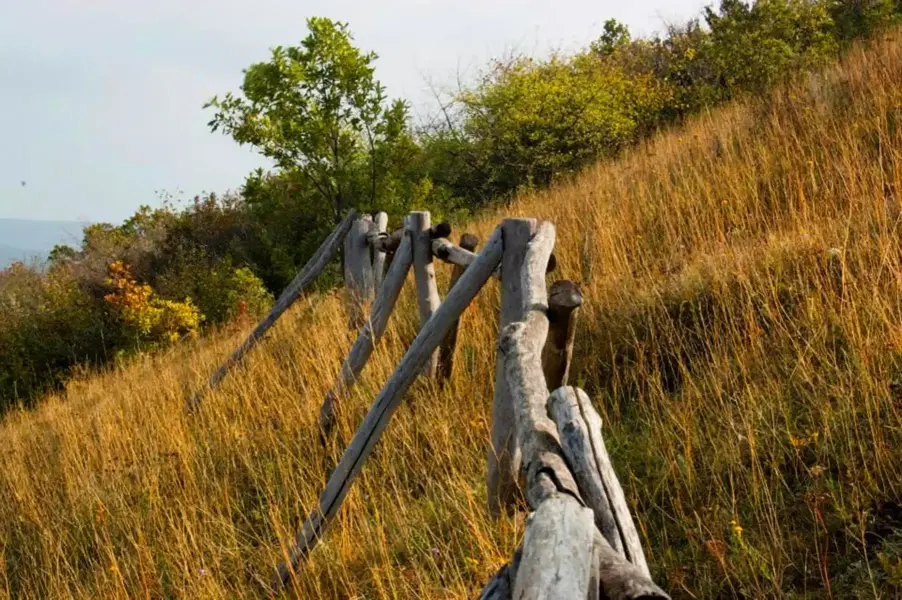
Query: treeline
x: 319, y: 113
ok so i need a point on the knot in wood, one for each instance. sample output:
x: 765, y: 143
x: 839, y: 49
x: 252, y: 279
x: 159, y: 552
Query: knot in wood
x: 510, y: 337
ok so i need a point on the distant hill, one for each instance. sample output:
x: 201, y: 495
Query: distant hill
x: 24, y: 239
x: 10, y: 254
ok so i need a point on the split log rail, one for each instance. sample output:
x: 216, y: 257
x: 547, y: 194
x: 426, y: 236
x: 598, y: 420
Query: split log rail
x: 546, y: 442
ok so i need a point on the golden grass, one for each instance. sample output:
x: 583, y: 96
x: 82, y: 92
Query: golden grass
x: 742, y: 340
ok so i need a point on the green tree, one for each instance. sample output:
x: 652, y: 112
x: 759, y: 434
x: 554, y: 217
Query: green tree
x: 528, y: 121
x: 615, y: 35
x: 754, y: 45
x: 860, y: 18
x: 318, y: 110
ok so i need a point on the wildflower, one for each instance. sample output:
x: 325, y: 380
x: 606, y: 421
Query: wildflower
x: 202, y: 572
x: 736, y: 527
x: 797, y: 442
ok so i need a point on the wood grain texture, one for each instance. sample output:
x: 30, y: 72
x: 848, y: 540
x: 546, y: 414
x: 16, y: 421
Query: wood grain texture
x: 580, y: 433
x: 359, y: 281
x: 420, y: 228
x: 559, y: 553
x: 380, y: 223
x: 519, y: 357
x: 504, y: 453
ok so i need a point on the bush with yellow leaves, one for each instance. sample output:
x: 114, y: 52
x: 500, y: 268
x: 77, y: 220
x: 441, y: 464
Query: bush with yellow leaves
x: 150, y: 321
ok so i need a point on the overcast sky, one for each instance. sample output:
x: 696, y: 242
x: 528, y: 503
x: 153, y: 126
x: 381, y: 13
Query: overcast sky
x: 100, y: 100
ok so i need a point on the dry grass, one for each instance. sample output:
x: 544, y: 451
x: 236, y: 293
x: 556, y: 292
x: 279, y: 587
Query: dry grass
x: 742, y: 339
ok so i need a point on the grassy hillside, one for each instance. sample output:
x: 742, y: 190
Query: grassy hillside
x: 742, y: 340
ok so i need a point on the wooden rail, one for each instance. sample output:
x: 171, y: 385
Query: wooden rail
x: 547, y: 450
x: 462, y: 256
x: 370, y: 333
x: 468, y: 242
x: 416, y: 357
x: 580, y: 540
x: 304, y: 278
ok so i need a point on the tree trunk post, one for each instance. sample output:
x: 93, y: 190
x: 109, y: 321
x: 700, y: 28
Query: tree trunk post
x: 358, y: 271
x: 468, y: 242
x: 380, y: 224
x: 583, y: 445
x: 564, y: 301
x: 504, y: 455
x: 420, y: 227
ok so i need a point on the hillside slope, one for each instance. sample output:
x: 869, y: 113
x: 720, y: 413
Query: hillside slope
x: 742, y: 340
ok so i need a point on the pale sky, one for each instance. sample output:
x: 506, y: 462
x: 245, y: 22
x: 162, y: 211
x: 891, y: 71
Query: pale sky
x: 100, y: 100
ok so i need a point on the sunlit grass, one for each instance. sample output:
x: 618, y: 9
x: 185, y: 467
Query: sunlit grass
x: 741, y: 338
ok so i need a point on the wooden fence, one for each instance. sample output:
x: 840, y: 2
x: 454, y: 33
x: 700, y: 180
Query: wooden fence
x: 546, y: 441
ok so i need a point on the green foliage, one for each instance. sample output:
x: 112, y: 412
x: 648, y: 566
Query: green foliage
x: 752, y: 46
x: 221, y: 293
x: 134, y: 287
x: 317, y: 109
x: 854, y: 19
x: 148, y: 322
x: 615, y: 36
x: 528, y: 120
x: 320, y: 114
x: 48, y: 324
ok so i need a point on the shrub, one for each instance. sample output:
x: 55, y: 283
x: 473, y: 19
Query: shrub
x: 148, y: 321
x: 48, y: 324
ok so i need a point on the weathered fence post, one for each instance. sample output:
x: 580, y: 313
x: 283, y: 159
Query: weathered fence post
x: 359, y: 279
x: 468, y: 242
x: 504, y: 455
x: 304, y: 278
x: 420, y: 227
x: 380, y: 224
x: 370, y: 333
x: 564, y: 555
x: 564, y: 301
x: 580, y: 430
x: 460, y: 256
x: 385, y: 404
